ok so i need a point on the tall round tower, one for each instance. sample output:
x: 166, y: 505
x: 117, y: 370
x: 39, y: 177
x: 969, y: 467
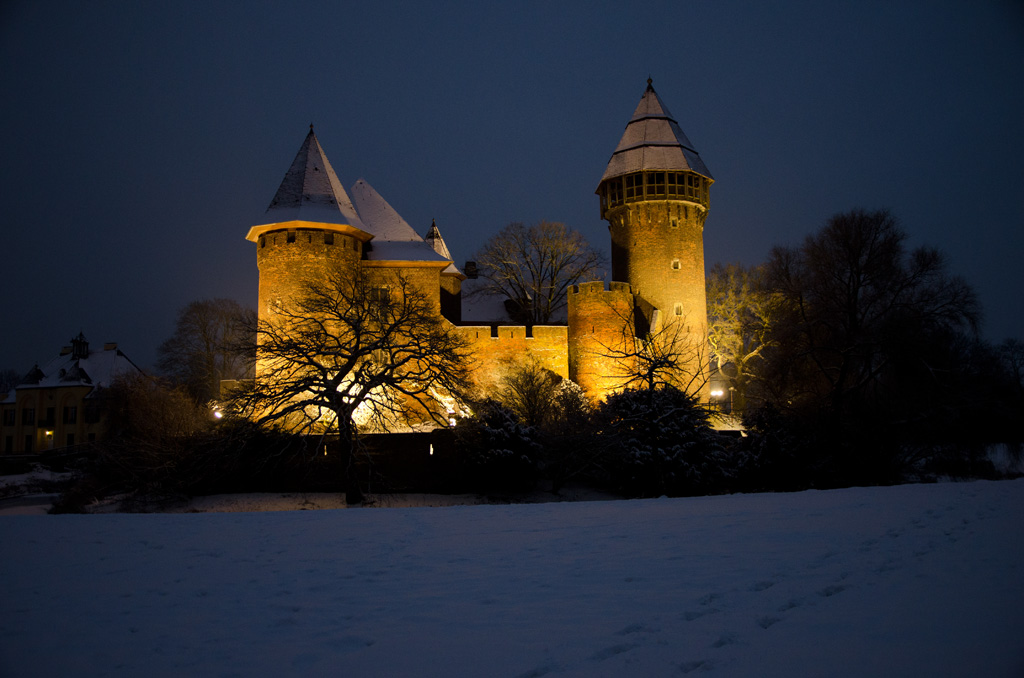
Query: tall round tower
x: 654, y: 196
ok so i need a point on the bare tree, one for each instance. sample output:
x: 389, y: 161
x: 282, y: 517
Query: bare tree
x: 351, y: 347
x: 651, y: 355
x: 535, y: 266
x: 204, y: 347
x: 529, y: 390
x: 855, y: 307
x: 740, y: 317
x: 8, y: 379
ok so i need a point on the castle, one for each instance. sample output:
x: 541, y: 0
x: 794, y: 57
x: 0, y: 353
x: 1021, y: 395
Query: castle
x: 654, y: 195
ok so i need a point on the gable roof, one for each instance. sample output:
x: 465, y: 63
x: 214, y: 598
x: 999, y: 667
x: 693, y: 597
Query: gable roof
x: 653, y: 141
x: 311, y: 191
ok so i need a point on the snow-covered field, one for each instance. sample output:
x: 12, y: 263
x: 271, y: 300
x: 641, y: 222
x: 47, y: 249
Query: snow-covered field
x: 917, y: 580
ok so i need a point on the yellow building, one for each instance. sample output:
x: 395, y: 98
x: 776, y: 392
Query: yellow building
x: 654, y: 194
x: 61, y: 404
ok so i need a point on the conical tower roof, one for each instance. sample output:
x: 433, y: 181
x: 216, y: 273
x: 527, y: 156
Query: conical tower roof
x: 393, y: 238
x: 311, y: 191
x: 653, y: 141
x: 435, y: 240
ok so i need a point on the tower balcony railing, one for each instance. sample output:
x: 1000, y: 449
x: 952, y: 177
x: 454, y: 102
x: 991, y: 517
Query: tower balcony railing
x: 639, y: 186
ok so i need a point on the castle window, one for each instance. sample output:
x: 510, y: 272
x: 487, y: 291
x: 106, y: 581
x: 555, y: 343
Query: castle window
x: 328, y: 238
x: 656, y: 184
x: 28, y: 416
x: 634, y: 186
x: 673, y: 184
x: 263, y: 241
x: 291, y: 236
x: 70, y: 414
x: 678, y: 310
x: 675, y: 264
x: 380, y: 295
x: 675, y: 223
x: 9, y: 417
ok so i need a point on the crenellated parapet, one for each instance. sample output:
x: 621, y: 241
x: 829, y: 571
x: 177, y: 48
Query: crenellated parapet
x: 600, y: 321
x: 495, y: 349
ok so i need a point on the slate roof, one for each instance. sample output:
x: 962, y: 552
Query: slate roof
x: 653, y: 141
x: 311, y: 191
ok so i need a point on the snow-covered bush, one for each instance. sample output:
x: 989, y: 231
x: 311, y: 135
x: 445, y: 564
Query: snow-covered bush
x: 497, y: 451
x: 658, y: 442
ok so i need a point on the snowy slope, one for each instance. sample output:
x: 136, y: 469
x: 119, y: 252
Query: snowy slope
x: 924, y: 580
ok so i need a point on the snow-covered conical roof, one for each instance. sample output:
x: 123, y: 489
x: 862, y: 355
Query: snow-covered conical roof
x: 653, y: 141
x: 435, y: 240
x: 311, y: 190
x: 393, y: 238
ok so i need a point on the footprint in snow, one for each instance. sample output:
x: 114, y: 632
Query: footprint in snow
x: 689, y: 667
x: 614, y: 650
x: 830, y: 591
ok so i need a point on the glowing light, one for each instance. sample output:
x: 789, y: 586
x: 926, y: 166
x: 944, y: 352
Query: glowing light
x: 49, y: 434
x: 718, y: 393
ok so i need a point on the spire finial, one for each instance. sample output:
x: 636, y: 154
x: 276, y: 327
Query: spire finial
x: 650, y: 86
x: 310, y: 128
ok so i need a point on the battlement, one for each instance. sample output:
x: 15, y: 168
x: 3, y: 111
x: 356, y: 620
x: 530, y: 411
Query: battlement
x: 598, y: 287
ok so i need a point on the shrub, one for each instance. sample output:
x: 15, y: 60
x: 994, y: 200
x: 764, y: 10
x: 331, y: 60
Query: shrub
x: 658, y: 442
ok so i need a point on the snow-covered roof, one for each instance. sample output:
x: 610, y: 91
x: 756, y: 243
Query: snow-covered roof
x: 379, y: 217
x: 311, y: 190
x: 480, y: 306
x: 435, y: 240
x: 98, y: 369
x: 393, y: 238
x: 653, y: 141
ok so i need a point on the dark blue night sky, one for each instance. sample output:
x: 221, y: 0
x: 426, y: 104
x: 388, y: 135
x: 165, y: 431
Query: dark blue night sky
x: 141, y: 140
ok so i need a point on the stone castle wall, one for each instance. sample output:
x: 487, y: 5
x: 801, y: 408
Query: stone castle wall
x: 599, y: 322
x: 497, y: 349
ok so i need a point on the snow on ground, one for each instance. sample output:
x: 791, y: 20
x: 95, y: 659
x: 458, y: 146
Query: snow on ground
x: 916, y: 580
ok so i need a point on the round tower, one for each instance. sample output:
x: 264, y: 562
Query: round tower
x: 598, y: 337
x: 315, y: 227
x: 654, y: 196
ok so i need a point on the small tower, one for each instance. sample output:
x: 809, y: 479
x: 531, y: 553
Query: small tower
x: 654, y: 196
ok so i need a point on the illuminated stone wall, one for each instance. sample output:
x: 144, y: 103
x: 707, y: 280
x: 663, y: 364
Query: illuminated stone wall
x: 598, y: 325
x: 287, y: 257
x: 497, y: 349
x: 658, y: 247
